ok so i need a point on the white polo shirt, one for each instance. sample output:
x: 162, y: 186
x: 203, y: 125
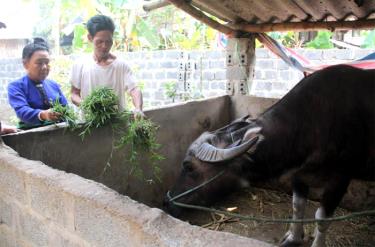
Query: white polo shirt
x: 87, y: 75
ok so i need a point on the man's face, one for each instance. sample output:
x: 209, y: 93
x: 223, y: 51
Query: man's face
x: 38, y: 65
x: 102, y: 42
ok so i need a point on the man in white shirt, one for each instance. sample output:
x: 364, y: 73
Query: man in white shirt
x: 104, y: 68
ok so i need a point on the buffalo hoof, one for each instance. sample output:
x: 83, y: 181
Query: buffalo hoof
x: 290, y: 241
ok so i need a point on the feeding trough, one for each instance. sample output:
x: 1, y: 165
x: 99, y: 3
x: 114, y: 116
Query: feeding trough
x: 55, y: 191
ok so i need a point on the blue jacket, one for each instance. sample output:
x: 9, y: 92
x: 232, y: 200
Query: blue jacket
x: 26, y: 100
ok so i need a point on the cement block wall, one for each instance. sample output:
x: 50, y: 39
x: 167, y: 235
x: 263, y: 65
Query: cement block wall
x: 204, y: 71
x: 41, y: 206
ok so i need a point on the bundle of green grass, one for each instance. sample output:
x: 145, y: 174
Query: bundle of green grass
x: 101, y: 108
x: 67, y: 114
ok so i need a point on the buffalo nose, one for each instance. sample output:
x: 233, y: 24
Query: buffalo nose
x: 166, y: 202
x: 169, y: 207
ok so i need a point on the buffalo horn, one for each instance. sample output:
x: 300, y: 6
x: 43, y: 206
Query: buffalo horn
x: 209, y: 153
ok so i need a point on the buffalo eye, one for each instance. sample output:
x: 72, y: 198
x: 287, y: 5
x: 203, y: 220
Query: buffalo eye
x: 188, y: 166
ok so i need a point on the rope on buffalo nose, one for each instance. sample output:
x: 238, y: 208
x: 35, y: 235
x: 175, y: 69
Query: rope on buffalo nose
x: 172, y: 199
x: 273, y: 220
x: 259, y: 219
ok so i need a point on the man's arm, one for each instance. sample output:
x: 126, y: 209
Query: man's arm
x: 76, y: 96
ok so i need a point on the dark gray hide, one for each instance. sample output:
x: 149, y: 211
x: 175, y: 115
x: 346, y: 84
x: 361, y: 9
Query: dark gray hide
x: 323, y: 129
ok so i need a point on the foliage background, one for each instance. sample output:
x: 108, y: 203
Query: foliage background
x: 165, y: 28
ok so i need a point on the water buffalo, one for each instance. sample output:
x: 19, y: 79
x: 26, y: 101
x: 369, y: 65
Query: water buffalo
x: 322, y: 132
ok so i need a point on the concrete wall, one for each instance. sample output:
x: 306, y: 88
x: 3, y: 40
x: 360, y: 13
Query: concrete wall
x: 41, y: 206
x: 179, y: 126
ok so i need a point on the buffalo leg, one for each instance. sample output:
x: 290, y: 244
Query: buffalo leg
x: 332, y: 196
x: 294, y: 236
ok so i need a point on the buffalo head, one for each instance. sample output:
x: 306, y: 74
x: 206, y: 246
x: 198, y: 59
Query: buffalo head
x: 220, y: 157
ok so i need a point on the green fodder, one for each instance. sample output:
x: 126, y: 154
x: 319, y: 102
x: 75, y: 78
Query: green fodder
x: 67, y: 114
x: 99, y: 108
x: 139, y: 135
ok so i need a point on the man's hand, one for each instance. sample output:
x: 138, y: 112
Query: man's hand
x: 138, y: 114
x: 49, y: 115
x: 137, y: 99
x: 76, y: 96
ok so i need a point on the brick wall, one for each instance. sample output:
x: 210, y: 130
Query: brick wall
x: 274, y: 78
x: 10, y: 69
x: 202, y: 74
x: 198, y: 73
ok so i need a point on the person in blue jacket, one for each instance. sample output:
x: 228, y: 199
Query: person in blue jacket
x: 31, y: 95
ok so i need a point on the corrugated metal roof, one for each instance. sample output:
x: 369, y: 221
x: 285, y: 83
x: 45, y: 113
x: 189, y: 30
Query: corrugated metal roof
x: 285, y: 11
x: 258, y: 16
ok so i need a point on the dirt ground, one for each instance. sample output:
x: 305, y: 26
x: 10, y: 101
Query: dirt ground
x: 357, y: 232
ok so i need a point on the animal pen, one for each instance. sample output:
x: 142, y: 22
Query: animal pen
x: 53, y: 191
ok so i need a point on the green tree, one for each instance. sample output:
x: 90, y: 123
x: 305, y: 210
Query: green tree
x: 166, y: 28
x: 55, y: 15
x: 321, y: 41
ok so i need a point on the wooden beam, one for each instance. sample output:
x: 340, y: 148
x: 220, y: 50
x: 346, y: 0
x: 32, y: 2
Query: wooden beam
x: 305, y: 26
x: 202, y: 17
x: 155, y: 5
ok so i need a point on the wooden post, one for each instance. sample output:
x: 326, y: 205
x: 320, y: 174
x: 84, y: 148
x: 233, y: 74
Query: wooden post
x: 240, y: 62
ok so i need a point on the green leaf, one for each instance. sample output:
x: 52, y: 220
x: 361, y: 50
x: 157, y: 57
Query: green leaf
x: 79, y: 33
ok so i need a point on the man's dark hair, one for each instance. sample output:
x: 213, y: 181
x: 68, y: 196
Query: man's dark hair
x: 38, y: 44
x: 99, y: 23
